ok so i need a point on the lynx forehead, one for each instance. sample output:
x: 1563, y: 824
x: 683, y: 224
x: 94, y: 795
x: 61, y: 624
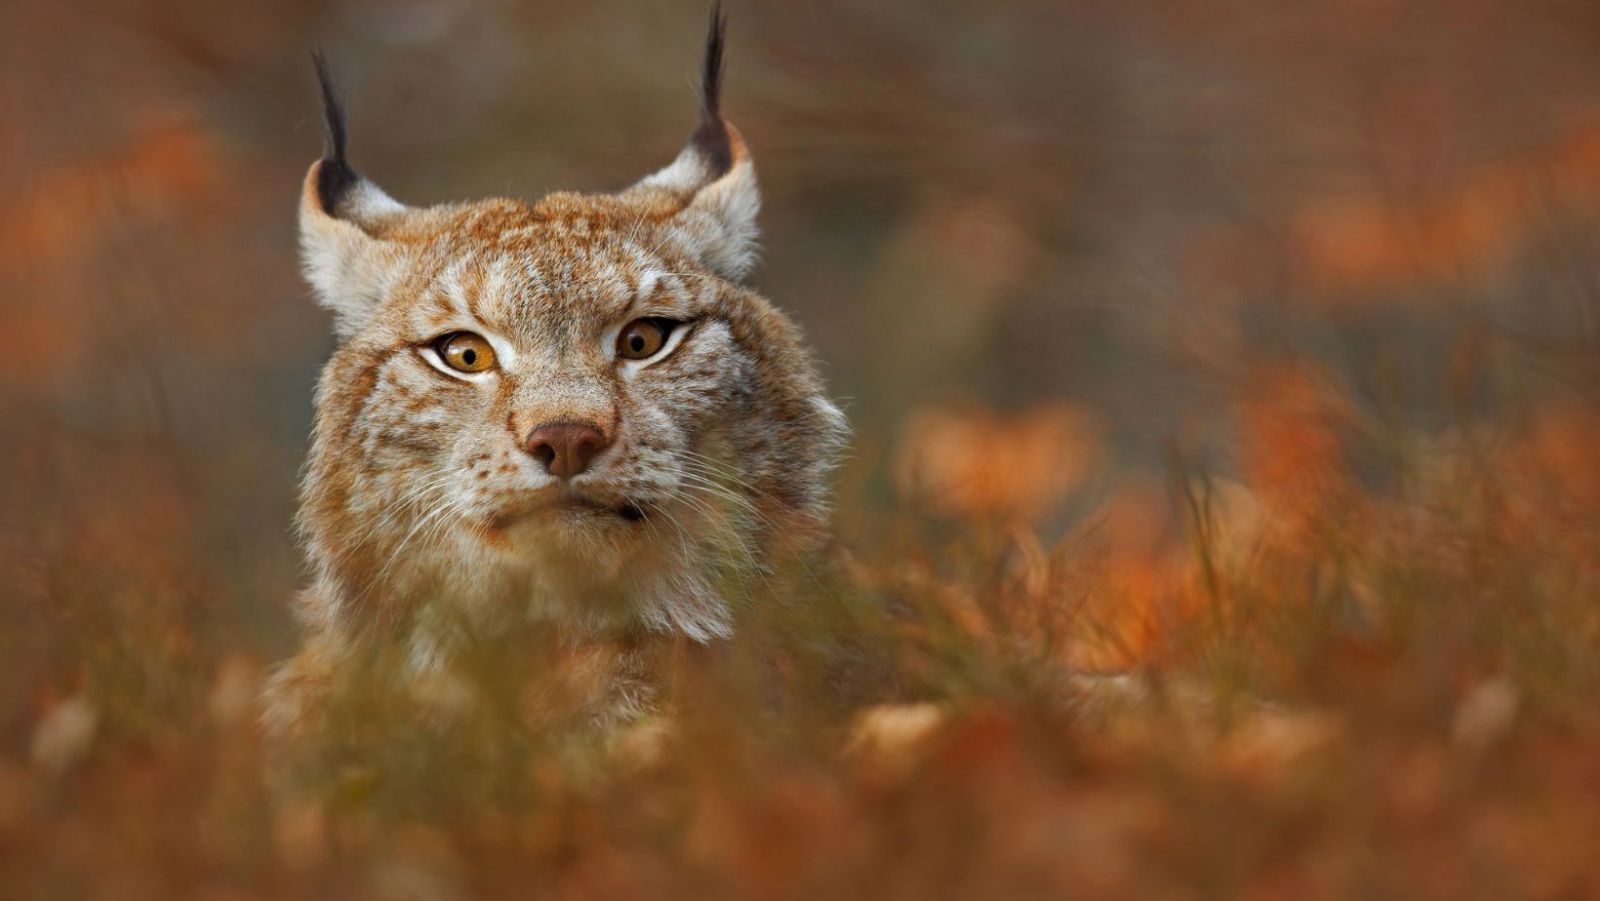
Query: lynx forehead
x: 568, y: 410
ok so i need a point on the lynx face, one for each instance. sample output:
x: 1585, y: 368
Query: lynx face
x: 566, y: 410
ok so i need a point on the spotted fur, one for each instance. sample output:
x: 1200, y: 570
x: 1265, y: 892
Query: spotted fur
x: 420, y: 501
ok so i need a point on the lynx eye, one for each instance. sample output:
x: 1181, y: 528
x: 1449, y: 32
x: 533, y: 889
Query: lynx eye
x: 464, y: 352
x: 643, y: 338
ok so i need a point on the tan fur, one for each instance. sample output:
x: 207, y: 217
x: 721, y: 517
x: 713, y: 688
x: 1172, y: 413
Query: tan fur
x: 420, y: 506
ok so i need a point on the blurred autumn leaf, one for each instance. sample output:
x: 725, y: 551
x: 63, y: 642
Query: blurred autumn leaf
x: 973, y: 463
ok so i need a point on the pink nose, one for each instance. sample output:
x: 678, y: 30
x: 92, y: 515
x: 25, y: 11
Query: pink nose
x: 566, y: 448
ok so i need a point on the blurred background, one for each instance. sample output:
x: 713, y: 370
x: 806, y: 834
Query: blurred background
x: 1044, y: 250
x: 1112, y: 220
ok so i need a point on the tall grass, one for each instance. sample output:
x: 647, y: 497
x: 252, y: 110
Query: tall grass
x: 1336, y: 680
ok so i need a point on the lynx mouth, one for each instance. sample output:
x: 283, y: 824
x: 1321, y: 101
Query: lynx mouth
x: 627, y: 511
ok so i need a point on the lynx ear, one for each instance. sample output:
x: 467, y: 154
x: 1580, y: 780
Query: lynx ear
x: 713, y: 178
x: 342, y: 220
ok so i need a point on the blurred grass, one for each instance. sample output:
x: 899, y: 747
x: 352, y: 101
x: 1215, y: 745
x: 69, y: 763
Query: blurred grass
x: 1253, y: 351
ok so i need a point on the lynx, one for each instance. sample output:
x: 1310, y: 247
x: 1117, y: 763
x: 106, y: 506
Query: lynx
x: 567, y: 412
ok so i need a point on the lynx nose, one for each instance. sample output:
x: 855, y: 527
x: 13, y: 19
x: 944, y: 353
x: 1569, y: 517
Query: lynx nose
x: 565, y: 448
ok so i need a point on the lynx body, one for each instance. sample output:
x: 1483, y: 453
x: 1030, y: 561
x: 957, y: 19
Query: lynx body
x: 568, y: 411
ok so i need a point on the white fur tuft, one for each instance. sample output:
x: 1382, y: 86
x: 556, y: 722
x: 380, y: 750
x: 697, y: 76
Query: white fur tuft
x: 350, y: 270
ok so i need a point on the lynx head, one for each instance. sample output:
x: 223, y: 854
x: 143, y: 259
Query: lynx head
x: 565, y: 409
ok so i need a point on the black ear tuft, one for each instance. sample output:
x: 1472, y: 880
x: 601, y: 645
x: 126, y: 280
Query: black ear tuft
x: 335, y: 176
x: 711, y: 74
x: 711, y: 138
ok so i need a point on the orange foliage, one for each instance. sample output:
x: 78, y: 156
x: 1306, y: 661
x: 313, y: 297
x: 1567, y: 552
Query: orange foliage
x: 1361, y: 249
x: 1290, y: 451
x: 70, y: 207
x: 976, y: 463
x: 1551, y: 483
x: 1564, y: 445
x: 1143, y: 582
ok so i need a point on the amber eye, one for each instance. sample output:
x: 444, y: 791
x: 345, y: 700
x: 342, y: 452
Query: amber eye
x: 464, y: 352
x: 642, y: 338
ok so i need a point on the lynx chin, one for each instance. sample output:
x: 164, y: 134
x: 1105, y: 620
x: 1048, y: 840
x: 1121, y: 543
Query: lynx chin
x: 567, y: 412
